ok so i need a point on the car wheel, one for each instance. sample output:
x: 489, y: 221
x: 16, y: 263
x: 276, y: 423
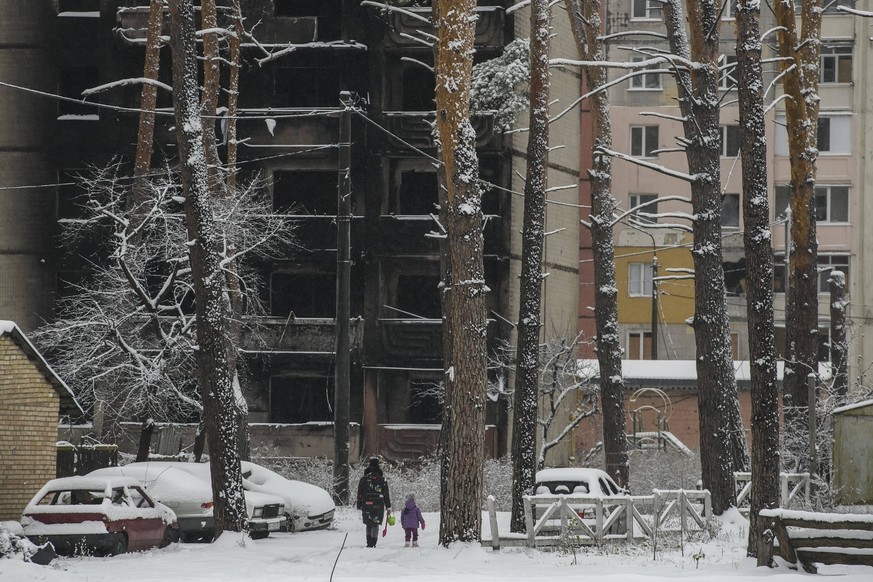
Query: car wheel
x: 171, y: 536
x: 118, y: 545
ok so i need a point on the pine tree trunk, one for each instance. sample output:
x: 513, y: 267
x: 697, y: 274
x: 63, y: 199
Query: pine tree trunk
x: 463, y: 286
x: 214, y: 353
x: 801, y: 115
x: 839, y: 341
x: 587, y: 28
x: 722, y: 442
x: 524, y: 456
x: 759, y: 275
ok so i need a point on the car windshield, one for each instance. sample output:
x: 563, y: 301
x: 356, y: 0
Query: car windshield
x: 562, y: 487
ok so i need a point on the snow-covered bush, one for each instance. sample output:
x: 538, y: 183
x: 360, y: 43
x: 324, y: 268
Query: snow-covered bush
x: 14, y: 545
x: 662, y: 470
x: 419, y: 476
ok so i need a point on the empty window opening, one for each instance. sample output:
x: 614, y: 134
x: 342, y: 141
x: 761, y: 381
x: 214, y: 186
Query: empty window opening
x: 418, y: 87
x: 425, y: 401
x: 303, y: 294
x: 419, y: 294
x: 306, y: 87
x: 72, y: 81
x: 305, y: 192
x: 301, y: 399
x: 328, y: 12
x: 418, y: 193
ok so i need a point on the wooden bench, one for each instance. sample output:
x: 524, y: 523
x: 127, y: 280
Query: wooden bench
x: 827, y: 538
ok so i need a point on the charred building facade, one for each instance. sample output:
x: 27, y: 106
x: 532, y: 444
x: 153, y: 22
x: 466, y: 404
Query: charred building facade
x: 302, y: 54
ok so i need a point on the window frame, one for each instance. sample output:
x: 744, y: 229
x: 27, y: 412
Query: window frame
x: 653, y: 10
x: 640, y: 284
x: 644, y: 338
x: 635, y: 200
x: 739, y: 211
x: 644, y: 131
x: 827, y: 190
x: 640, y: 82
x: 728, y: 79
x: 725, y: 129
x: 836, y: 57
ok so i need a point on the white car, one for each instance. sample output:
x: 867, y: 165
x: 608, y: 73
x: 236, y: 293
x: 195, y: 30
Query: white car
x: 187, y: 489
x: 577, y: 481
x: 308, y: 507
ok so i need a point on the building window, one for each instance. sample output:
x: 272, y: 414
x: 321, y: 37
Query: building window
x: 639, y: 345
x: 730, y: 141
x: 730, y: 10
x: 71, y: 196
x: 831, y: 203
x: 418, y: 85
x: 417, y: 193
x: 71, y: 82
x: 425, y: 400
x: 305, y: 192
x: 735, y: 345
x: 834, y: 135
x: 295, y: 399
x: 639, y: 279
x: 836, y: 64
x: 728, y: 72
x: 646, y: 9
x: 730, y: 211
x: 306, y: 87
x: 418, y: 296
x: 828, y: 263
x: 644, y: 141
x: 303, y: 294
x: 651, y: 207
x: 79, y: 8
x: 831, y: 6
x: 328, y: 12
x: 646, y: 80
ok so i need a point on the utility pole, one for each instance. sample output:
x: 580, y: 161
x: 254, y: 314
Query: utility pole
x: 341, y: 412
x: 654, y: 303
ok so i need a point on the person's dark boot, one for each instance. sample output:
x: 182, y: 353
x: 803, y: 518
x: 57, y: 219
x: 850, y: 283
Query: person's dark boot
x: 371, y: 542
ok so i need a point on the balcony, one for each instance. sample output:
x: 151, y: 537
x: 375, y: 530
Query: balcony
x: 412, y: 338
x: 303, y: 335
x: 415, y: 127
x: 407, y: 235
x: 489, y: 28
x: 132, y: 23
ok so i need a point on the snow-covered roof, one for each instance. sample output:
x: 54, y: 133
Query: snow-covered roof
x: 855, y: 406
x: 69, y: 405
x: 679, y: 371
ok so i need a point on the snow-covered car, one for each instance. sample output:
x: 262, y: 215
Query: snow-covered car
x: 308, y: 507
x: 577, y: 481
x: 187, y: 489
x: 111, y: 515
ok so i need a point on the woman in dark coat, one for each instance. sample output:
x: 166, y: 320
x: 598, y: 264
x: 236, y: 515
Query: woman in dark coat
x: 373, y: 500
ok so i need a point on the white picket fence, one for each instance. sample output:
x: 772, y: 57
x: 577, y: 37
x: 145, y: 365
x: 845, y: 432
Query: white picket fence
x: 794, y: 490
x: 615, y: 519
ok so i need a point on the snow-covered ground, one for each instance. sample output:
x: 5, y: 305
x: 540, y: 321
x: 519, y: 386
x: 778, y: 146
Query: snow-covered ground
x: 311, y: 555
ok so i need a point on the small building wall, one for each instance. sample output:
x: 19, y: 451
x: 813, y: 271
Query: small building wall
x: 28, y: 429
x: 853, y: 454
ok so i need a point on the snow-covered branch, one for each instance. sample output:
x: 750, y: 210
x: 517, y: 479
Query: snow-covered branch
x: 656, y: 167
x: 125, y: 83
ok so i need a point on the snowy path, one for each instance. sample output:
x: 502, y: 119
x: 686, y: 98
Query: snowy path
x: 310, y: 556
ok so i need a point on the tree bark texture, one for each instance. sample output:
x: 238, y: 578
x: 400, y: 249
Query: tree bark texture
x: 148, y: 102
x: 586, y: 23
x: 722, y: 441
x: 214, y: 354
x: 839, y: 340
x: 800, y: 83
x: 526, y: 394
x: 463, y: 285
x: 759, y: 275
x: 233, y: 94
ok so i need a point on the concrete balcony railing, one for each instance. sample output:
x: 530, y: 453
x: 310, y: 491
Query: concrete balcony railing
x: 132, y: 22
x: 489, y: 27
x: 309, y: 335
x: 411, y: 338
x: 415, y: 127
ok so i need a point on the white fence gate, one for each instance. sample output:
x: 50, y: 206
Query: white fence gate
x: 606, y: 519
x: 793, y: 490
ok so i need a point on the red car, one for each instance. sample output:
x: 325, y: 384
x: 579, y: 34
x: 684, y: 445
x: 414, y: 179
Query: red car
x: 110, y: 515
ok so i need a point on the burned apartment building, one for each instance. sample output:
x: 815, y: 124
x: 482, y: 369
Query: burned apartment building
x: 288, y: 129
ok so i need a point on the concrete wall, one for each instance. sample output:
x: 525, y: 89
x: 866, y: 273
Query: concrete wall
x: 28, y: 420
x: 853, y: 455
